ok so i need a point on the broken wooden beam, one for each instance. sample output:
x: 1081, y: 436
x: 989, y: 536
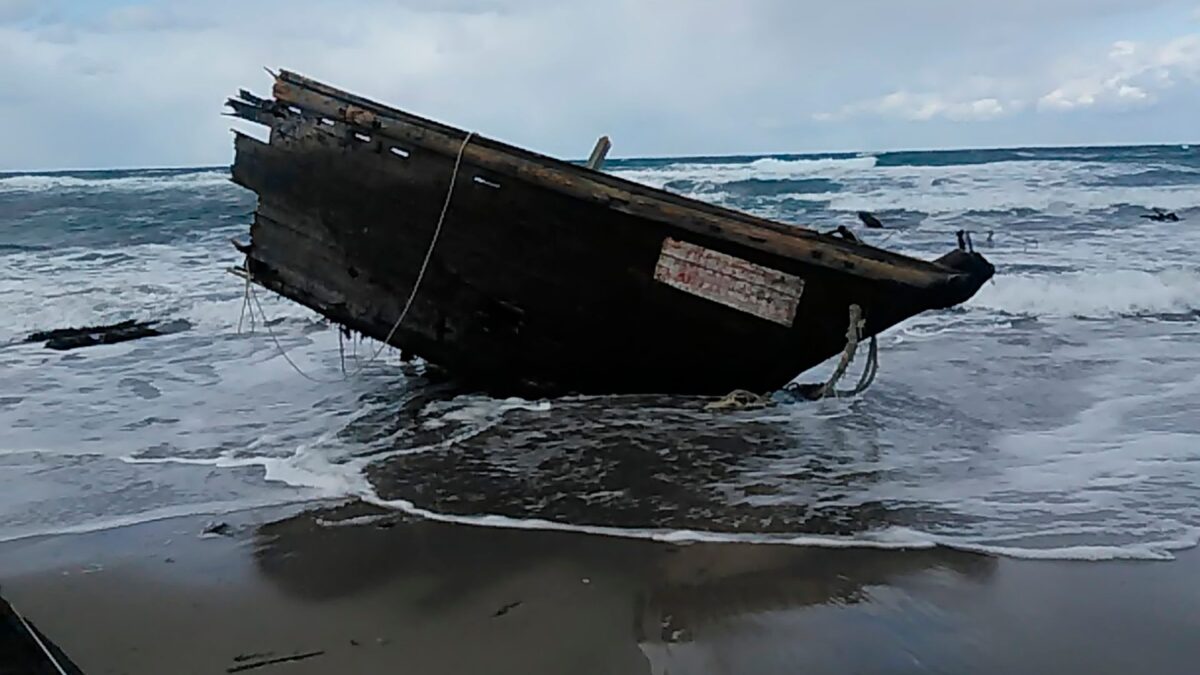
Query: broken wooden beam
x: 596, y: 161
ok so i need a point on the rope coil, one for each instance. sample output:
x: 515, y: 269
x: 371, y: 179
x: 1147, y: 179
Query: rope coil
x: 853, y: 337
x: 740, y: 399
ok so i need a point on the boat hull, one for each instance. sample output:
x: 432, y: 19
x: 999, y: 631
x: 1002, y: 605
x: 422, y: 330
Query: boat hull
x: 546, y: 277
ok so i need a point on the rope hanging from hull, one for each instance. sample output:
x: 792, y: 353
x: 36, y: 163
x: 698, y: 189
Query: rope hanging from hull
x: 437, y: 232
x: 740, y: 399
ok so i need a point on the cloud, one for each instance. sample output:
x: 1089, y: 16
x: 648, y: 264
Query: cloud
x: 925, y: 107
x: 1132, y: 74
x: 140, y: 82
x: 149, y: 18
x: 16, y: 10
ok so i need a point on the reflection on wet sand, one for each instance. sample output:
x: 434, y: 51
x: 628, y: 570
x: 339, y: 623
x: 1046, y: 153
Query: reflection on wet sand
x: 701, y: 585
x: 652, y: 596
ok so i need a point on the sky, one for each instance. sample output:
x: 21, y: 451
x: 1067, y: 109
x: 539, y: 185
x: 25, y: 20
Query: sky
x: 125, y: 83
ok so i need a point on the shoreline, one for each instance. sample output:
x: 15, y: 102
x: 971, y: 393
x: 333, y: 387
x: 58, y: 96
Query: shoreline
x: 1153, y: 551
x: 370, y: 589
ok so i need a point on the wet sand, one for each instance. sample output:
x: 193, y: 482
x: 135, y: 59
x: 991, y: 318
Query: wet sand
x: 347, y: 590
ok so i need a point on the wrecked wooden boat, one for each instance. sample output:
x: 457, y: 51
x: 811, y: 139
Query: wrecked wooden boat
x: 521, y: 273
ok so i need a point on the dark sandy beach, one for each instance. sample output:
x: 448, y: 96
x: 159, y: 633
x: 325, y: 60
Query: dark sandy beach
x: 299, y: 593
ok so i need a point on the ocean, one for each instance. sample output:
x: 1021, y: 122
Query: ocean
x: 1052, y: 416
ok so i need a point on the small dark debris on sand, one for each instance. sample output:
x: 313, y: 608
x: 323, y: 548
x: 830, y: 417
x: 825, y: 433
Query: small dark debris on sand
x: 63, y: 339
x: 271, y: 662
x: 507, y: 608
x: 242, y: 658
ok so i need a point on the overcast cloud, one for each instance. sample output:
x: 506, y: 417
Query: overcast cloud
x: 102, y: 83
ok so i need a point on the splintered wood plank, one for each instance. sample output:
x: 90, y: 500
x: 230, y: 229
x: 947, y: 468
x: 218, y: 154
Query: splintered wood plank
x: 763, y: 292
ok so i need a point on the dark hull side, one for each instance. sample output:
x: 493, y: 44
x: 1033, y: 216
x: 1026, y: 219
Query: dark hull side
x: 547, y: 277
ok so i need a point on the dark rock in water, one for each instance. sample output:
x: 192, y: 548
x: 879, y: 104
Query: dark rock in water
x: 66, y: 333
x: 870, y: 220
x: 73, y: 338
x: 1162, y: 216
x: 24, y: 649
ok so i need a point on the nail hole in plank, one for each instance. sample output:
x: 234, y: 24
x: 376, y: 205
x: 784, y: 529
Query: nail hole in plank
x: 483, y: 181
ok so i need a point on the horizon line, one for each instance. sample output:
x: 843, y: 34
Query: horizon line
x: 849, y: 154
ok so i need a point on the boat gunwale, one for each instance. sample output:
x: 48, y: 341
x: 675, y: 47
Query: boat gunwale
x: 761, y: 232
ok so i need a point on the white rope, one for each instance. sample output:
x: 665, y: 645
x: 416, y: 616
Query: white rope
x: 246, y: 300
x: 437, y: 232
x: 279, y: 345
x: 38, y: 640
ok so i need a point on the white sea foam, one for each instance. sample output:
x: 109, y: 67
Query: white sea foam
x: 761, y: 169
x: 321, y: 480
x: 163, y: 513
x: 1054, y: 186
x: 309, y: 468
x: 191, y: 180
x: 357, y: 521
x: 42, y: 290
x: 1093, y: 294
x: 952, y: 199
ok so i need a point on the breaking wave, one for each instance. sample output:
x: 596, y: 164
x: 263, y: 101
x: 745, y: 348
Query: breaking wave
x: 1093, y: 294
x: 1063, y: 185
x: 947, y: 198
x: 102, y: 181
x: 767, y: 168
